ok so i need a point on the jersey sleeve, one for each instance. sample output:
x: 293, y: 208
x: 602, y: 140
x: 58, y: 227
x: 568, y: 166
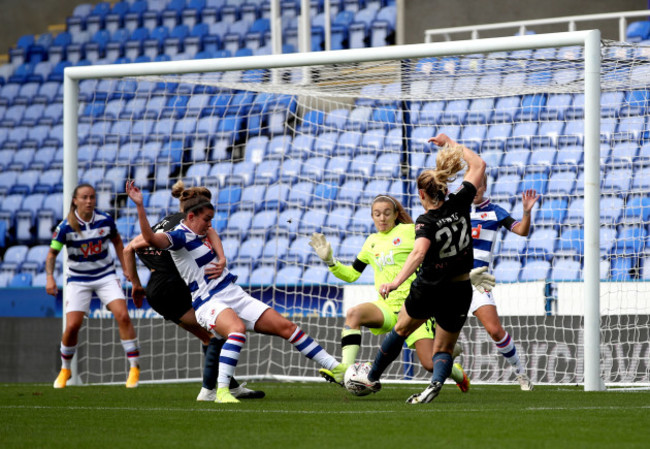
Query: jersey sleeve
x: 465, y: 193
x: 345, y: 272
x: 58, y: 238
x: 176, y: 240
x: 423, y: 227
x: 504, y: 218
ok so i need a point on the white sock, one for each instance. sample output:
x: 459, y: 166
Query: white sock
x: 229, y: 357
x: 67, y: 353
x: 132, y: 351
x: 311, y: 349
x: 508, y: 349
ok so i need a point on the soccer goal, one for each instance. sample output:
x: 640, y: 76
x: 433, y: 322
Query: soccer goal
x: 297, y: 143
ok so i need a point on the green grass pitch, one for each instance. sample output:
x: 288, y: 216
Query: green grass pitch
x: 318, y: 415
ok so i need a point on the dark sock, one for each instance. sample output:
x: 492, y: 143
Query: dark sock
x: 442, y: 365
x: 388, y: 351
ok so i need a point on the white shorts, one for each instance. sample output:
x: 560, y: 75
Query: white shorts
x: 79, y: 294
x: 480, y: 299
x: 247, y: 308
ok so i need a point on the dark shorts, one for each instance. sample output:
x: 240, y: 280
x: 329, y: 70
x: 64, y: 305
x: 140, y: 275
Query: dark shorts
x: 448, y: 303
x: 172, y: 300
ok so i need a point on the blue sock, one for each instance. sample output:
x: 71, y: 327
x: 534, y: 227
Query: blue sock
x: 211, y: 365
x: 388, y: 351
x: 442, y: 365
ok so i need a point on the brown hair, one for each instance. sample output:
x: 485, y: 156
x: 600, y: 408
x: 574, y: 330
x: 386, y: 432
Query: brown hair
x: 402, y: 215
x: 449, y: 161
x: 193, y: 199
x: 72, y: 217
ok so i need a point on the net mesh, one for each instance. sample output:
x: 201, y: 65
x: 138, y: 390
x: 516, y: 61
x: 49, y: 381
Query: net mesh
x: 288, y: 152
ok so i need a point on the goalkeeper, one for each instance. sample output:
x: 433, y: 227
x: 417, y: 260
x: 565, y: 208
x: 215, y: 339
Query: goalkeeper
x: 386, y: 251
x: 168, y: 295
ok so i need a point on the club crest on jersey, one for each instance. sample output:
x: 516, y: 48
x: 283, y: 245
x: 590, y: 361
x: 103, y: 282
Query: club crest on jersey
x: 397, y: 242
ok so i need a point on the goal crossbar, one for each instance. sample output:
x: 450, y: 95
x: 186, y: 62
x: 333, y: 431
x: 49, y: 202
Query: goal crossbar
x: 590, y: 40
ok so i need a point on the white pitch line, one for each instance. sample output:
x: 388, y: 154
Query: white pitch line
x: 310, y: 412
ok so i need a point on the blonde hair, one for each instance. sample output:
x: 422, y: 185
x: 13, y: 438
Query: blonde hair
x: 193, y: 199
x: 72, y: 217
x: 402, y: 215
x: 449, y: 162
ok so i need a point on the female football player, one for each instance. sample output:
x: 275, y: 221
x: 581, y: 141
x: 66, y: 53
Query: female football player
x: 443, y: 253
x: 168, y: 295
x: 221, y: 306
x: 386, y: 251
x: 86, y: 233
x: 487, y: 218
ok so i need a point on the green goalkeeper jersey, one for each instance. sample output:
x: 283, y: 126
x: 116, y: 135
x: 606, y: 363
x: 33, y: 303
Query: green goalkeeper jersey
x: 387, y: 253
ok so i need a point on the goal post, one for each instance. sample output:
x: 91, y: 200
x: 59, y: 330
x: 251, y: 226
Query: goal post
x: 588, y: 40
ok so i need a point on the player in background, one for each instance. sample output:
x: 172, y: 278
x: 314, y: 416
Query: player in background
x: 385, y: 251
x: 487, y: 218
x: 86, y: 233
x: 168, y: 295
x: 221, y: 306
x: 443, y: 252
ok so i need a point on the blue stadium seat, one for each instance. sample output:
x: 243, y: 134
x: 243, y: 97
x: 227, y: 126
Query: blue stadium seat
x: 350, y: 192
x: 611, y: 209
x: 252, y: 197
x: 565, y: 269
x: 314, y: 167
x: 506, y: 186
x: 302, y: 146
x: 617, y: 180
x: 288, y: 276
x: 250, y: 252
x: 512, y: 244
x: 630, y: 129
x: 623, y: 268
x: 242, y: 173
x: 635, y: 102
x: 348, y: 143
x: 535, y: 270
x: 505, y: 109
x: 430, y: 113
x: 522, y: 133
x: 507, y: 270
x: 361, y: 221
x: 551, y: 212
x: 276, y: 196
x: 637, y: 210
x: 388, y: 166
x: 239, y: 224
x: 571, y: 242
x: 301, y: 194
x: 312, y: 221
x: 336, y: 169
x: 569, y: 157
x: 455, y: 113
x: 315, y: 276
x: 337, y: 221
x: 299, y: 250
x: 362, y: 166
x: 358, y: 119
x: 20, y: 280
x: 541, y: 243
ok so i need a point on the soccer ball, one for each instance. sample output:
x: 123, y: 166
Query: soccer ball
x: 356, y: 372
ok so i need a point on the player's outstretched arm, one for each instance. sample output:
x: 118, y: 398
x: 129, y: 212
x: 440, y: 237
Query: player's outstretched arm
x: 157, y: 240
x: 529, y: 198
x: 324, y: 251
x: 137, y: 291
x: 413, y: 261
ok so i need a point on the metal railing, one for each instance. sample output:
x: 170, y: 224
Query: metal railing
x: 523, y: 26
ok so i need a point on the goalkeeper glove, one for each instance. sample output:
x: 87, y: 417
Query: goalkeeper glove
x: 323, y: 248
x: 481, y: 279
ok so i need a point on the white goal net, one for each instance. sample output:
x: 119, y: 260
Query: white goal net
x: 290, y: 151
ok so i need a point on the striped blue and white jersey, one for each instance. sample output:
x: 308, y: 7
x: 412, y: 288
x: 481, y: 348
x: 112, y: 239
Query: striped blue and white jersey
x: 191, y: 254
x: 88, y: 256
x: 486, y: 220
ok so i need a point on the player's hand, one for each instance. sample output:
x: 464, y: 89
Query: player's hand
x: 441, y: 140
x: 529, y: 198
x: 323, y: 248
x: 134, y: 193
x: 137, y: 293
x: 385, y: 289
x: 482, y: 280
x: 50, y: 286
x: 214, y: 269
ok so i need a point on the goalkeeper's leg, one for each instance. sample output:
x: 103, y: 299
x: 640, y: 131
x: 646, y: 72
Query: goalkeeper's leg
x: 369, y: 315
